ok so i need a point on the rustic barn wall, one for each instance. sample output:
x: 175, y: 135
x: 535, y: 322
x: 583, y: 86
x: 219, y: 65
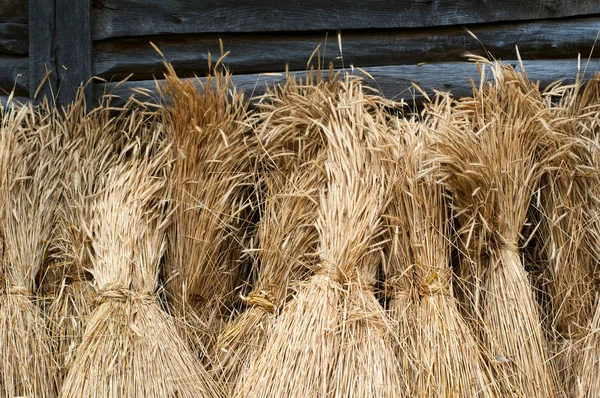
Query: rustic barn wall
x: 397, y: 41
x: 14, y: 50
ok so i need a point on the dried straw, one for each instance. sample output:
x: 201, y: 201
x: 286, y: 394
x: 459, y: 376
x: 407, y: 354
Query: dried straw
x: 332, y: 338
x: 492, y: 156
x: 211, y: 181
x: 287, y: 244
x: 131, y: 347
x: 95, y: 139
x: 566, y: 196
x: 29, y: 194
x: 440, y: 349
x: 587, y: 365
x: 291, y: 157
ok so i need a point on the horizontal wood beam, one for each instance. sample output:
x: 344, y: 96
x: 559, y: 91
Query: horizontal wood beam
x: 14, y: 75
x: 395, y: 82
x: 126, y: 18
x: 116, y: 59
x: 14, y: 11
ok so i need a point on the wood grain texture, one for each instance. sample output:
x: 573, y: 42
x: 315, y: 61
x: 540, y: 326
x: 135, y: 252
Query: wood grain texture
x: 14, y: 38
x: 13, y: 27
x: 126, y: 18
x: 41, y: 49
x: 73, y: 48
x: 395, y: 81
x: 15, y: 11
x: 116, y: 59
x: 14, y: 75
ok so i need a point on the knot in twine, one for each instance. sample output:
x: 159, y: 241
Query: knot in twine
x: 437, y: 282
x: 346, y: 276
x: 397, y: 287
x: 20, y: 290
x: 499, y: 241
x: 262, y: 299
x: 121, y: 294
x: 431, y: 289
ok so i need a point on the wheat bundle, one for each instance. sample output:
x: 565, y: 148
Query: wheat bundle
x: 332, y: 338
x: 492, y: 156
x: 587, y: 383
x: 588, y: 365
x: 95, y: 139
x: 290, y: 154
x: 442, y: 353
x: 131, y: 347
x: 29, y: 194
x: 211, y: 181
x: 287, y: 244
x: 564, y: 229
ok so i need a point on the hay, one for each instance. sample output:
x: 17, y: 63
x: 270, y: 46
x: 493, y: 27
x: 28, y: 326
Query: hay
x: 332, y: 339
x: 131, y: 347
x: 28, y: 198
x: 211, y: 189
x: 492, y: 156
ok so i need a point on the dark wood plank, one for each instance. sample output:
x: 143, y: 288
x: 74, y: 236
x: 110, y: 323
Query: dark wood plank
x: 73, y: 48
x: 115, y: 59
x: 41, y: 49
x: 14, y: 38
x: 14, y: 75
x: 14, y: 11
x: 395, y: 82
x: 126, y: 18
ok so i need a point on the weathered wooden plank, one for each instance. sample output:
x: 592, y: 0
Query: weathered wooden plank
x: 395, y: 82
x: 41, y: 49
x: 116, y: 59
x: 14, y: 38
x: 14, y: 11
x: 73, y: 48
x: 14, y: 75
x: 123, y: 18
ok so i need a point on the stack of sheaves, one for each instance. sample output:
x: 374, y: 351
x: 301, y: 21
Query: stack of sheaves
x: 319, y: 240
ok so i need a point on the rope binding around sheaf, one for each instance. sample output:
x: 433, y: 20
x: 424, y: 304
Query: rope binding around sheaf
x: 262, y: 299
x: 19, y: 290
x: 119, y: 293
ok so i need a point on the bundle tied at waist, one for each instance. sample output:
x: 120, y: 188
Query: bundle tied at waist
x: 262, y: 299
x: 437, y: 282
x: 352, y: 277
x: 398, y: 287
x: 19, y: 290
x: 120, y: 293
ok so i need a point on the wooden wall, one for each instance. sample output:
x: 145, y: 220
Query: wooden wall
x: 398, y: 42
